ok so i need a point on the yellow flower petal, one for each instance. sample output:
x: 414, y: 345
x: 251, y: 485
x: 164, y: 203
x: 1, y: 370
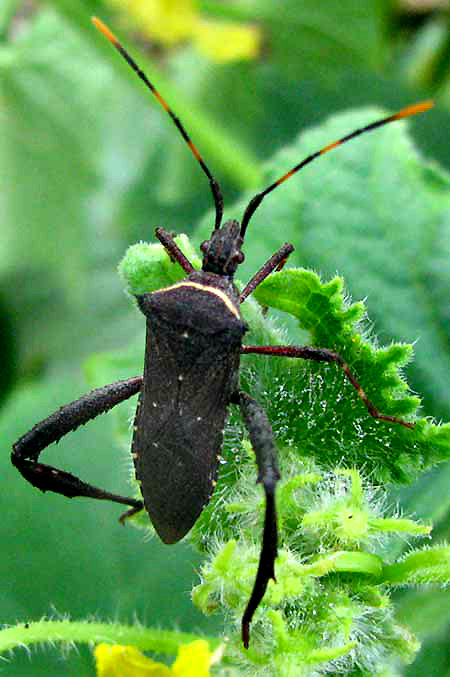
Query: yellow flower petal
x: 126, y: 661
x: 174, y: 21
x: 226, y: 41
x: 193, y: 660
x: 168, y: 21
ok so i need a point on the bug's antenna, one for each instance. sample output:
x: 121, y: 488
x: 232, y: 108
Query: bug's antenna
x: 404, y: 113
x: 215, y: 188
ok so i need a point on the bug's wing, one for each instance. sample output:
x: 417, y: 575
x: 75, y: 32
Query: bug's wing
x: 188, y: 380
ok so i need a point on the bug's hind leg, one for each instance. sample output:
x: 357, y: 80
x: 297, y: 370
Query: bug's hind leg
x: 27, y: 449
x: 261, y: 437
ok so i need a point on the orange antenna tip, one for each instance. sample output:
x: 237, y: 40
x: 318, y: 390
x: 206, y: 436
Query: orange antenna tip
x: 215, y: 188
x: 104, y: 29
x: 330, y: 147
x: 414, y: 109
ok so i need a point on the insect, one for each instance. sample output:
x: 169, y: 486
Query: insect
x: 194, y: 342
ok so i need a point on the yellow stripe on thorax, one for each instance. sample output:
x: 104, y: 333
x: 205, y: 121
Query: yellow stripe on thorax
x: 210, y: 290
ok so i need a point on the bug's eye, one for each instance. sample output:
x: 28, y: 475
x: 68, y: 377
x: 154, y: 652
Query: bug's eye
x: 239, y: 257
x: 204, y: 246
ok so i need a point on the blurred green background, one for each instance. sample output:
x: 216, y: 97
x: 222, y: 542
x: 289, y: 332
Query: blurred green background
x: 90, y: 164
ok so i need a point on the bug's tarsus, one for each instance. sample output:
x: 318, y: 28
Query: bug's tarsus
x: 67, y: 419
x: 131, y: 512
x: 214, y: 185
x: 324, y: 355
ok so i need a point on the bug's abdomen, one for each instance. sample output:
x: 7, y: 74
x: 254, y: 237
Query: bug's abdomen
x: 190, y: 372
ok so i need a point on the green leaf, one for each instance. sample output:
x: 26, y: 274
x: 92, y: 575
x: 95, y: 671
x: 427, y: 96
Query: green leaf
x: 388, y: 451
x: 145, y: 267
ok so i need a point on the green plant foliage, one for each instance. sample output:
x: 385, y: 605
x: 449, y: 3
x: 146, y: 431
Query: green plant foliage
x: 145, y: 267
x: 320, y: 309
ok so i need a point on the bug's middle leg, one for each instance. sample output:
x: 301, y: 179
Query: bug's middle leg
x: 324, y: 355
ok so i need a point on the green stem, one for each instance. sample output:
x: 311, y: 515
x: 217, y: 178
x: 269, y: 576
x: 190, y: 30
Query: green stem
x: 27, y: 634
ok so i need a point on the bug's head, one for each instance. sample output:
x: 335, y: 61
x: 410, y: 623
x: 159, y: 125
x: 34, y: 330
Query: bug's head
x: 222, y: 253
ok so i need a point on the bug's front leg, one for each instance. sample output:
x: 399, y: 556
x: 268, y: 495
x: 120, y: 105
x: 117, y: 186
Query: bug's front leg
x: 27, y: 449
x: 261, y: 437
x: 276, y: 262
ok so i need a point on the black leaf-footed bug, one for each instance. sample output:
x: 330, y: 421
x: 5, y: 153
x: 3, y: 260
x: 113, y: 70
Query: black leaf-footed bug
x: 191, y: 376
